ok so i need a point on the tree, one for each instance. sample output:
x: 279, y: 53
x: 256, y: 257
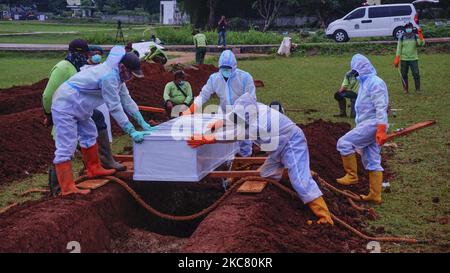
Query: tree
x: 268, y: 10
x: 327, y: 10
x: 212, y: 5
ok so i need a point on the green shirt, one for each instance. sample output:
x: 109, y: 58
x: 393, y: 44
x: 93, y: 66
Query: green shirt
x: 172, y: 93
x: 155, y: 51
x: 200, y: 40
x: 60, y: 73
x: 407, y: 47
x: 351, y: 84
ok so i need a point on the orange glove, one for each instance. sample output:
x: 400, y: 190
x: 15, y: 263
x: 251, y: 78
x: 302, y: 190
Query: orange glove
x: 381, y: 136
x: 396, y: 60
x: 190, y: 111
x: 199, y: 140
x: 215, y: 125
x: 419, y: 31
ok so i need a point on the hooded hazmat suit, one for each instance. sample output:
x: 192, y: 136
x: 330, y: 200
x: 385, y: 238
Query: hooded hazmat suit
x: 228, y: 91
x: 284, y: 142
x: 371, y: 110
x: 75, y: 100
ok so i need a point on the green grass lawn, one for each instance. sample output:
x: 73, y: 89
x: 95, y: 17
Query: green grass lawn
x: 421, y: 161
x: 36, y: 26
x: 88, y: 31
x: 26, y: 68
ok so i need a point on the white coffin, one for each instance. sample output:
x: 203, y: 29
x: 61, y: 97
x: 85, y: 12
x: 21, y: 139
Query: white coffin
x: 165, y: 155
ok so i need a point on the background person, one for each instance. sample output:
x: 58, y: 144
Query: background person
x: 222, y: 32
x: 348, y: 90
x: 200, y: 46
x: 407, y: 55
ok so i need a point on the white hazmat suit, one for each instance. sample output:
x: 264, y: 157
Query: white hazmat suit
x: 283, y: 140
x: 228, y: 91
x: 371, y: 110
x: 75, y: 100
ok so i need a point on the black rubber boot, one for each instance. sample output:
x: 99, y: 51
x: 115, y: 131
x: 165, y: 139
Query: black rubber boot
x: 405, y: 86
x: 342, y: 108
x: 352, y: 107
x: 417, y: 84
x: 105, y: 154
x: 53, y: 182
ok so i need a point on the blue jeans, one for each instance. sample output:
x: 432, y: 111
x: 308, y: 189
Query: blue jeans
x: 222, y: 38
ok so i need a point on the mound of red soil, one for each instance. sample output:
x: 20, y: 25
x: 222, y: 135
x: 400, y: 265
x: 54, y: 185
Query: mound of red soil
x: 27, y: 144
x: 49, y: 225
x: 20, y: 98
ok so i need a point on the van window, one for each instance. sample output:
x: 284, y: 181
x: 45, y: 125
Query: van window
x: 359, y: 13
x: 400, y: 10
x: 378, y: 12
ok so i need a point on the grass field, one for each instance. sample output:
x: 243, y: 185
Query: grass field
x: 421, y: 161
x: 58, y: 33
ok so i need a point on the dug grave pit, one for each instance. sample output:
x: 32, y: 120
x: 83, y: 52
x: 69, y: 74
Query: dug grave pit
x: 110, y: 220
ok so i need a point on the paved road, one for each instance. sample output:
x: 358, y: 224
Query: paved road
x: 190, y: 48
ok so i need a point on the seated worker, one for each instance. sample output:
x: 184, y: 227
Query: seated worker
x: 178, y: 94
x: 348, y: 90
x: 200, y: 46
x: 281, y: 138
x: 156, y: 55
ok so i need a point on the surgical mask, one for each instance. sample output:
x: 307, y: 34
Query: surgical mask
x: 408, y: 30
x: 96, y: 59
x: 226, y: 72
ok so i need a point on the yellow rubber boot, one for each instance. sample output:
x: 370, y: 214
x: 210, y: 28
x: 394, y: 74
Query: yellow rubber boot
x: 351, y: 169
x: 320, y: 209
x: 375, y: 182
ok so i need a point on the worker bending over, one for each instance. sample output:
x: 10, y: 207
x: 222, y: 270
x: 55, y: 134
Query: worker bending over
x: 407, y: 56
x: 228, y: 84
x: 370, y: 132
x: 178, y: 94
x: 79, y: 56
x: 348, y: 90
x: 281, y: 138
x: 156, y: 54
x: 74, y: 103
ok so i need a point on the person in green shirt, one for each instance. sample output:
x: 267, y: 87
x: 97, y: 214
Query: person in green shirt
x: 407, y: 55
x: 349, y: 89
x: 200, y: 46
x: 177, y: 93
x: 156, y: 55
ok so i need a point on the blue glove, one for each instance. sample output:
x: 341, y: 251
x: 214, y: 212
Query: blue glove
x: 137, y: 136
x: 140, y: 120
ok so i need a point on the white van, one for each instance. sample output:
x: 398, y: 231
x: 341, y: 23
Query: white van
x: 370, y: 21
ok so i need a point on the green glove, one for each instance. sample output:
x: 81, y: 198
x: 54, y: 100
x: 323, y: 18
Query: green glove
x: 137, y: 136
x: 140, y: 120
